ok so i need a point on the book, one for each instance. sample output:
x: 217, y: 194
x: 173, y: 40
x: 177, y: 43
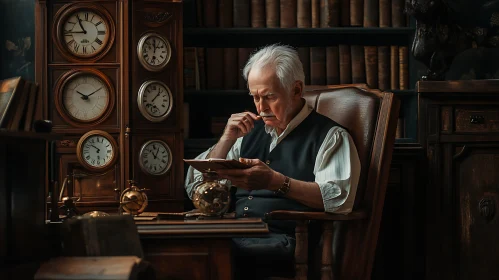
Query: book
x: 272, y: 19
x: 10, y: 91
x: 288, y: 13
x: 304, y: 14
x: 257, y: 13
x: 214, y: 164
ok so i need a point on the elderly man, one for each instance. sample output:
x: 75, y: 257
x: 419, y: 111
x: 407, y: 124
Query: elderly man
x: 299, y: 159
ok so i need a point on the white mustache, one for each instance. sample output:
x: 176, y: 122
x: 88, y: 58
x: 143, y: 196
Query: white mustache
x: 266, y: 115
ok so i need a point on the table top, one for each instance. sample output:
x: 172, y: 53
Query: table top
x: 202, y: 228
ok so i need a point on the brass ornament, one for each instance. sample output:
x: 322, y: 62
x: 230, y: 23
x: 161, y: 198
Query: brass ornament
x: 133, y: 200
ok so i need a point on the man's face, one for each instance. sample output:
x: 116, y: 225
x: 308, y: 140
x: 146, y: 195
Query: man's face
x: 272, y: 102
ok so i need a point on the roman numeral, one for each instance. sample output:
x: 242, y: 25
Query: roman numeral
x: 71, y: 42
x: 101, y: 32
x: 98, y: 41
x: 86, y: 16
x: 97, y: 24
x: 84, y: 49
x: 76, y: 47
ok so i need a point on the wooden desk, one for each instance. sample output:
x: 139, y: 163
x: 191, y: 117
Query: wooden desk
x: 195, y: 249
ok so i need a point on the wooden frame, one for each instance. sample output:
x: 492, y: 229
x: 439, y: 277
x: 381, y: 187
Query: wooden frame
x: 59, y: 96
x: 57, y: 30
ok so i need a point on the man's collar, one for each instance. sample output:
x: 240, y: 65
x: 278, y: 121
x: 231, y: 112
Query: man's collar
x: 304, y: 112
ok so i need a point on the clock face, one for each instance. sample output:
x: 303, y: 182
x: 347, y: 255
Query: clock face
x: 154, y: 51
x: 84, y: 96
x: 83, y: 31
x: 97, y: 150
x: 155, y: 157
x: 155, y: 100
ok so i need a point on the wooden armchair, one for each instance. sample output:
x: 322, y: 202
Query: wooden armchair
x: 349, y: 241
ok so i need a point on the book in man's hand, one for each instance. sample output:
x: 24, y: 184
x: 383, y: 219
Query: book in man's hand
x: 214, y: 164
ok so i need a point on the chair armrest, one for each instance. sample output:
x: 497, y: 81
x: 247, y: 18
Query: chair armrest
x: 297, y: 215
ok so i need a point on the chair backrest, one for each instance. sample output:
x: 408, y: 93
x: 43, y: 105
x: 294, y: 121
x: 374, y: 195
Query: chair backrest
x: 371, y: 119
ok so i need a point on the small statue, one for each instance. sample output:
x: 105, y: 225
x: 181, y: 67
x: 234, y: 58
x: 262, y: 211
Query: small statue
x: 445, y: 28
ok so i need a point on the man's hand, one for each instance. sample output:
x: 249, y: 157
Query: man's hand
x: 239, y: 125
x: 258, y: 176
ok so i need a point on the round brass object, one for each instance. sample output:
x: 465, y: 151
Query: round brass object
x: 211, y: 197
x: 94, y: 214
x: 133, y: 200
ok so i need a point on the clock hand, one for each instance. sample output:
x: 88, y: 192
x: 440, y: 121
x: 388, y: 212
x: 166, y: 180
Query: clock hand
x: 156, y: 156
x: 81, y: 25
x: 94, y: 91
x: 156, y: 96
x: 83, y: 96
x: 98, y: 150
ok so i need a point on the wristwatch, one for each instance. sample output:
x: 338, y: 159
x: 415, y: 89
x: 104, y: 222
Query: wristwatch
x: 284, y: 189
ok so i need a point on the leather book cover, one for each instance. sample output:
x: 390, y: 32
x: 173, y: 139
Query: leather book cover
x: 332, y: 65
x: 30, y: 112
x: 398, y: 18
x: 356, y: 12
x: 210, y: 13
x: 304, y: 14
x: 272, y: 18
x: 345, y: 12
x: 10, y: 91
x: 288, y: 13
x: 230, y: 68
x: 384, y: 67
x: 345, y: 64
x: 243, y: 55
x: 317, y: 65
x: 371, y: 60
x: 371, y: 13
x: 330, y: 13
x: 190, y: 68
x: 258, y: 13
x: 200, y: 52
x: 404, y: 67
x: 385, y: 13
x: 225, y: 13
x: 241, y: 13
x: 315, y: 10
x: 214, y: 68
x: 214, y: 164
x: 19, y: 107
x: 394, y: 67
x: 304, y: 54
x: 358, y: 64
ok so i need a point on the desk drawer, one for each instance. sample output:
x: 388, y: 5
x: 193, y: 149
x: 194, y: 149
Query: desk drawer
x: 477, y: 119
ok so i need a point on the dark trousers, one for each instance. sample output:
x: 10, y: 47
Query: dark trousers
x: 259, y: 258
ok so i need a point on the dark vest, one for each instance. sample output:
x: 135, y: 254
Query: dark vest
x: 294, y: 157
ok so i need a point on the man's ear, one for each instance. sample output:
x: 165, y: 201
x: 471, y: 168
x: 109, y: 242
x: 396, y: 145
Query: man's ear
x: 298, y: 89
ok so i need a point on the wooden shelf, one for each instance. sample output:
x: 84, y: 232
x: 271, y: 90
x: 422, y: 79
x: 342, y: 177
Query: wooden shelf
x: 242, y: 92
x: 297, y: 37
x: 30, y: 135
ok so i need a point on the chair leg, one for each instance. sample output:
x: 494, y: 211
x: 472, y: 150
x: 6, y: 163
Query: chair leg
x: 301, y: 250
x: 327, y: 251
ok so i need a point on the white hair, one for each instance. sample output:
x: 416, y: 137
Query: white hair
x: 284, y: 59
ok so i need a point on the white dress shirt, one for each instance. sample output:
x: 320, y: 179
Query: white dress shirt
x: 336, y: 169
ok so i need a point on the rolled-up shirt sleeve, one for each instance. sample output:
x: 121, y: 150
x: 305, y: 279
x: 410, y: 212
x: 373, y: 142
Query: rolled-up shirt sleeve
x: 337, y: 171
x: 194, y: 177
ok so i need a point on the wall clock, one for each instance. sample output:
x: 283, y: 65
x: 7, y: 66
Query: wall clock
x: 155, y: 157
x: 83, y: 31
x: 155, y: 100
x: 153, y: 51
x: 84, y: 96
x: 97, y: 150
